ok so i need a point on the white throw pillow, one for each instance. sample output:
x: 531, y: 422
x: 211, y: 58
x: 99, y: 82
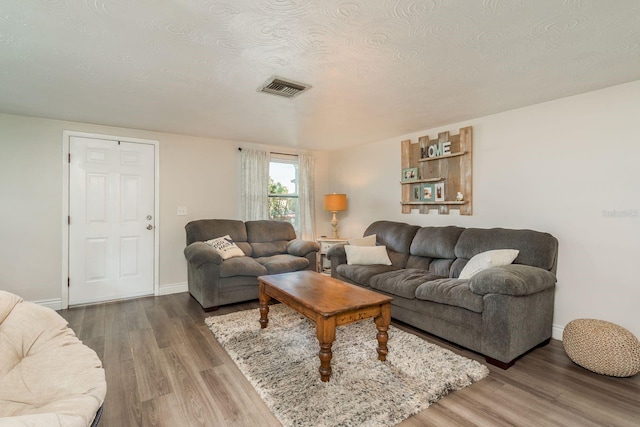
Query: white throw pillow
x: 488, y: 259
x: 225, y: 247
x: 364, y: 241
x: 367, y: 255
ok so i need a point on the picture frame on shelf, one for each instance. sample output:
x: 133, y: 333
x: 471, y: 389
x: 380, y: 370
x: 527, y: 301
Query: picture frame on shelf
x: 409, y: 174
x: 439, y: 192
x: 416, y: 192
x: 427, y: 192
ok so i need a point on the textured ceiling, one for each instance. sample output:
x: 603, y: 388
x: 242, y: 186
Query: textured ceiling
x: 379, y: 68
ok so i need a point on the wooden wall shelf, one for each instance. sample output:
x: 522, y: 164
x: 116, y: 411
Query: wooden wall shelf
x: 419, y: 181
x: 433, y: 203
x: 454, y: 170
x: 429, y: 159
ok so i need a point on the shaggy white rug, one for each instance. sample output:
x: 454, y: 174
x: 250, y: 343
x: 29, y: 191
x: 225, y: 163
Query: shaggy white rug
x: 281, y: 362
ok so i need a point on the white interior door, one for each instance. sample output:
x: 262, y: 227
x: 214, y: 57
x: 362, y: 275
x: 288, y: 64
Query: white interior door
x: 111, y: 208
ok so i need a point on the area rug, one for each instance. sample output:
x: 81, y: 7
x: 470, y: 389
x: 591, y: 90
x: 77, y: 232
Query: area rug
x: 281, y: 362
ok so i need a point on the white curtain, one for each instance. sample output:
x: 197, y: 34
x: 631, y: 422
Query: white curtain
x: 306, y: 199
x: 255, y: 185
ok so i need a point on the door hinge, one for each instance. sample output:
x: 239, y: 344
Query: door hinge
x: 69, y: 157
x: 68, y: 282
x: 69, y: 220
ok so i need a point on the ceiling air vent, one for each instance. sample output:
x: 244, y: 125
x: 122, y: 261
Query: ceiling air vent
x: 281, y: 87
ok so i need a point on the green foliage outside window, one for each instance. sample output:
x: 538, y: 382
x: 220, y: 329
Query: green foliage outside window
x: 281, y: 208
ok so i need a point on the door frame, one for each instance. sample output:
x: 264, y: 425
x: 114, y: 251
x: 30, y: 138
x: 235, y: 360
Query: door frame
x: 66, y: 136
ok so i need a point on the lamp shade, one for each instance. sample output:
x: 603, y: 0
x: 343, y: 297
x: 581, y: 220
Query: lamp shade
x: 335, y: 202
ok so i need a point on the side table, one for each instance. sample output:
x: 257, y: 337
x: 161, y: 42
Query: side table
x: 325, y: 244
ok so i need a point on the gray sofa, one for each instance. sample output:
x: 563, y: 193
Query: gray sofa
x: 270, y: 247
x: 501, y: 312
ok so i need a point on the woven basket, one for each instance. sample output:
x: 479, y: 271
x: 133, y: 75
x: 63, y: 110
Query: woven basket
x: 602, y: 347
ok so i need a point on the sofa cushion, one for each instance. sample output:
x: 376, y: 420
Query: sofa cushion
x: 242, y: 266
x: 362, y: 274
x: 418, y: 262
x: 299, y: 247
x: 225, y: 247
x: 396, y: 236
x: 283, y: 263
x: 488, y: 259
x: 454, y: 292
x: 269, y: 231
x: 364, y: 241
x: 268, y: 248
x: 367, y: 255
x: 269, y: 237
x: 536, y: 249
x: 402, y: 283
x: 440, y: 267
x: 436, y: 242
x: 246, y: 247
x: 206, y: 229
x: 433, y: 249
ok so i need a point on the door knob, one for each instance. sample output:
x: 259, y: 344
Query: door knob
x: 149, y: 227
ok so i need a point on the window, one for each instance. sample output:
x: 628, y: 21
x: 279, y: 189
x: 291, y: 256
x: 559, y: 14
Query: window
x: 283, y: 188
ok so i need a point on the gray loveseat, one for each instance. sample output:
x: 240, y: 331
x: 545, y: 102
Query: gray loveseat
x: 270, y: 247
x: 501, y: 312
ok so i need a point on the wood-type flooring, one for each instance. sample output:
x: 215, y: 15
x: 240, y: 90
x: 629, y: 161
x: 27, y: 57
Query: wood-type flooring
x: 164, y: 368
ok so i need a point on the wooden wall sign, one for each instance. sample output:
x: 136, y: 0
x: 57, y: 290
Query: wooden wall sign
x: 446, y: 163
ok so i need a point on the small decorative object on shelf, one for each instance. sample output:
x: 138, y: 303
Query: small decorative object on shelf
x: 416, y: 192
x: 439, y: 190
x: 427, y: 193
x: 459, y: 197
x: 409, y: 174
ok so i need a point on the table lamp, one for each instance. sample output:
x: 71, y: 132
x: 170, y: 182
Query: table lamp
x: 335, y: 203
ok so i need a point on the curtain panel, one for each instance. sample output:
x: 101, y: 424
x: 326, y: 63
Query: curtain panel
x: 306, y: 199
x: 255, y: 185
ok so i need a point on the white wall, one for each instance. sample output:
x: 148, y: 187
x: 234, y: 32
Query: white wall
x: 201, y: 174
x: 552, y: 167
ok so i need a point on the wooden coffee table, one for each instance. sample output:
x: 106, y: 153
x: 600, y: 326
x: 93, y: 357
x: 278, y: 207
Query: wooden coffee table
x: 329, y: 303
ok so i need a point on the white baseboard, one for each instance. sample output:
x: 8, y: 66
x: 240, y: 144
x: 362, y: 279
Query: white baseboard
x: 54, y: 304
x: 557, y: 331
x: 175, y: 288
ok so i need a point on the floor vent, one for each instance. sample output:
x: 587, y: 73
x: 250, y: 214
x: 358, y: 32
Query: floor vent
x: 281, y: 87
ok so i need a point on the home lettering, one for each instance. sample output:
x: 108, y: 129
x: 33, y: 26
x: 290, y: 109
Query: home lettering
x: 439, y: 149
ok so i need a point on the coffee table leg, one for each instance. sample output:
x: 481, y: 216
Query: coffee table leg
x: 382, y: 324
x: 326, y: 332
x: 264, y: 306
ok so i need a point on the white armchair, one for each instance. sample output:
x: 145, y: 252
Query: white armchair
x: 47, y: 376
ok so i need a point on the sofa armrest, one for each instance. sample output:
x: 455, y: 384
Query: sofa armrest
x: 513, y: 279
x: 299, y: 247
x: 337, y: 255
x: 198, y: 253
